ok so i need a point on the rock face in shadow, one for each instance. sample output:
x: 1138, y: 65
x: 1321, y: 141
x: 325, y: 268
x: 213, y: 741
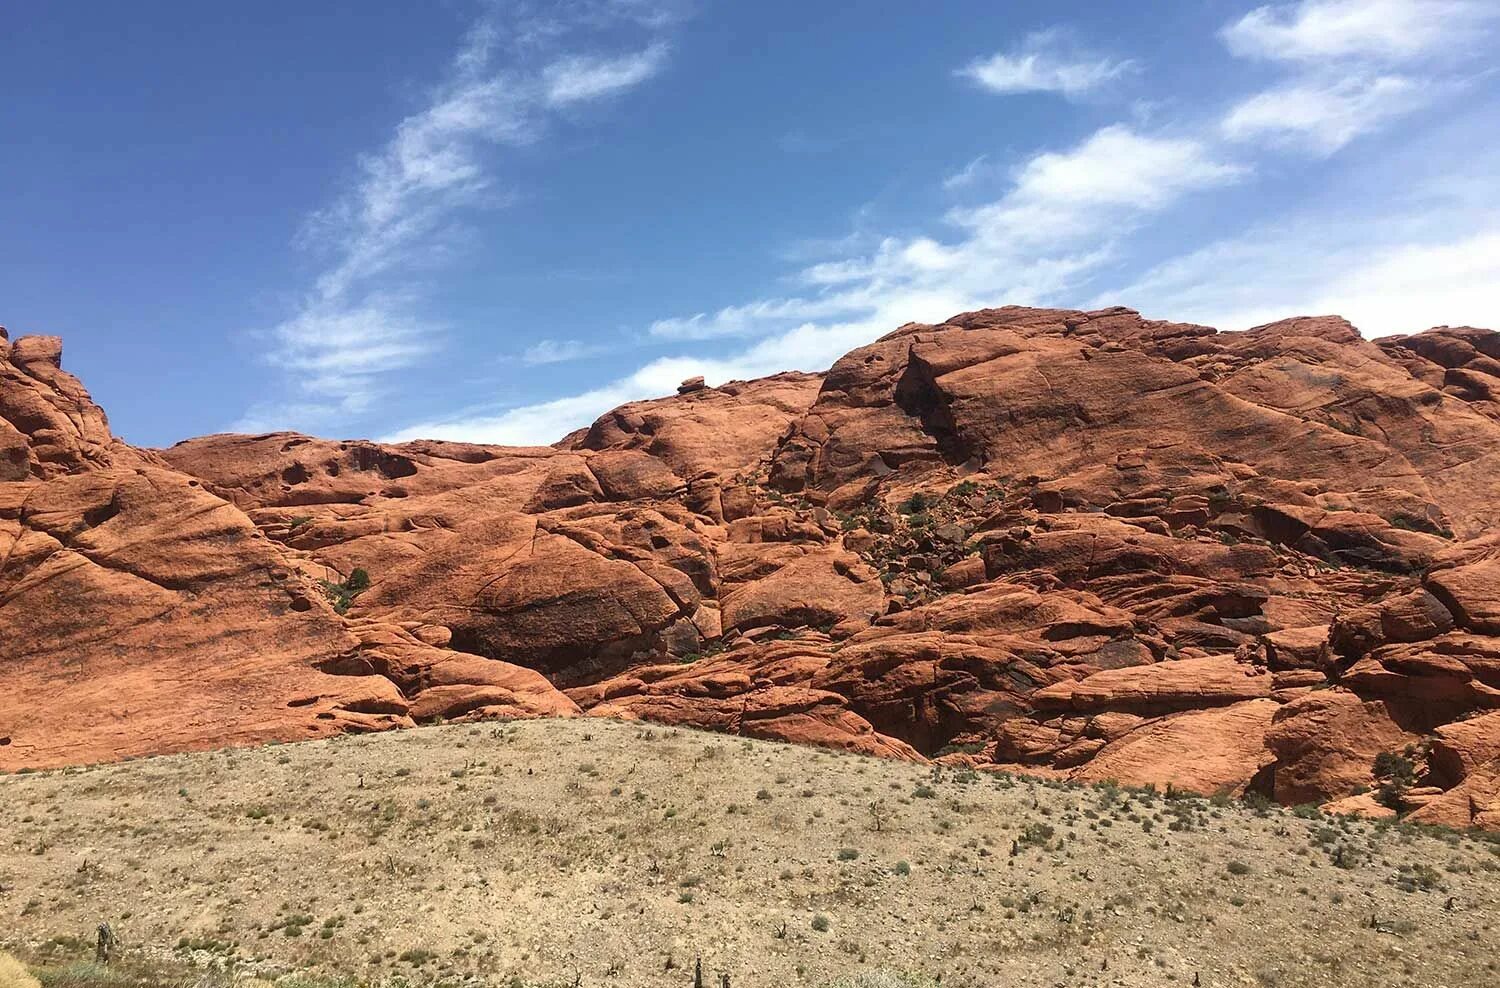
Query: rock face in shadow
x: 1085, y: 544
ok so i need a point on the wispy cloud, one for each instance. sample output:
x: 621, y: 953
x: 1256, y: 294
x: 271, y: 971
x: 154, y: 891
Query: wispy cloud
x: 1046, y: 62
x: 1314, y: 30
x: 361, y: 319
x: 1341, y: 55
x: 544, y: 422
x: 589, y: 77
x: 1323, y: 115
x: 1060, y: 216
x: 968, y: 174
x: 1063, y: 218
x: 1400, y: 282
x: 1058, y: 221
x: 559, y: 352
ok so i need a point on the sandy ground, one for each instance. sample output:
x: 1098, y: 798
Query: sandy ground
x: 604, y: 853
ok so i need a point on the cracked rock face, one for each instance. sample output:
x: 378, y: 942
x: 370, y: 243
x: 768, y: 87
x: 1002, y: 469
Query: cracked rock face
x: 1085, y: 544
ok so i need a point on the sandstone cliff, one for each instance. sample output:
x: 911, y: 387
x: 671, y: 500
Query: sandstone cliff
x: 1079, y: 543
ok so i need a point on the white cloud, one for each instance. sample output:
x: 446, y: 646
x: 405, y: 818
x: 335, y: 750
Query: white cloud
x: 1408, y: 287
x: 1316, y: 30
x: 1399, y: 276
x: 1118, y: 167
x: 967, y: 175
x: 741, y: 320
x: 1066, y: 216
x: 1045, y: 62
x: 559, y: 352
x: 580, y: 77
x: 360, y: 320
x: 1062, y: 214
x: 1343, y: 49
x: 547, y: 421
x: 1323, y: 115
x: 1057, y: 224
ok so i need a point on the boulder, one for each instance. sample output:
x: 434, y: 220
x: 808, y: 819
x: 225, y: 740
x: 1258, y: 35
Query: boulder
x: 1325, y: 744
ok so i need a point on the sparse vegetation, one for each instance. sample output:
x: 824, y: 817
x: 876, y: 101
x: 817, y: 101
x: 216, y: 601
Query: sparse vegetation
x: 342, y: 595
x: 1396, y: 773
x: 442, y: 856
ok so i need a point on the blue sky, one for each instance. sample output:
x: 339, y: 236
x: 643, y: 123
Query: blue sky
x: 494, y: 221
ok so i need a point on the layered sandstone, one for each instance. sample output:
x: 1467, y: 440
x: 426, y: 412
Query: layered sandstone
x: 1079, y: 543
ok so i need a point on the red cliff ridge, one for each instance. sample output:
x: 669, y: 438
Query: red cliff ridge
x: 1081, y: 544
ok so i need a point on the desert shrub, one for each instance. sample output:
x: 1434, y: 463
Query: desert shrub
x: 916, y: 504
x: 1238, y: 868
x: 130, y: 974
x: 1416, y: 523
x: 307, y: 979
x: 820, y: 923
x: 342, y: 595
x: 1418, y: 878
x: 883, y: 979
x: 1397, y: 773
x: 1037, y: 834
x: 1259, y: 802
x: 1390, y: 765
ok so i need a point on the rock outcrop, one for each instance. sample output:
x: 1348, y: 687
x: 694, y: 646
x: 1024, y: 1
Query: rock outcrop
x: 1084, y: 544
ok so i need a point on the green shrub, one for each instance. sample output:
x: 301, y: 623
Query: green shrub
x: 918, y: 502
x: 1397, y: 773
x: 342, y: 595
x: 1037, y: 834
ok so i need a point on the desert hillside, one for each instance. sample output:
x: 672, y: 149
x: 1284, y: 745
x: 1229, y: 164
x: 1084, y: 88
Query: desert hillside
x: 566, y: 852
x: 1087, y: 545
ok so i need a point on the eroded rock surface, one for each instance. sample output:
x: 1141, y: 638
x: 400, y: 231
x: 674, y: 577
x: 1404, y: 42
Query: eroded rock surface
x: 1079, y: 543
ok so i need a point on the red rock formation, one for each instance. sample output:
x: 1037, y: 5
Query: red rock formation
x: 1079, y: 543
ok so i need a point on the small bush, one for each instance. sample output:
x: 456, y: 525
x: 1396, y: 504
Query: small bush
x: 917, y: 503
x: 1418, y: 878
x: 1397, y: 768
x: 820, y: 923
x: 1258, y: 801
x: 1397, y: 773
x: 1036, y: 834
x: 342, y: 595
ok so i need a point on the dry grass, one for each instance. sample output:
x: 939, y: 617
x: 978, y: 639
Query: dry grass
x: 14, y: 975
x: 614, y: 854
